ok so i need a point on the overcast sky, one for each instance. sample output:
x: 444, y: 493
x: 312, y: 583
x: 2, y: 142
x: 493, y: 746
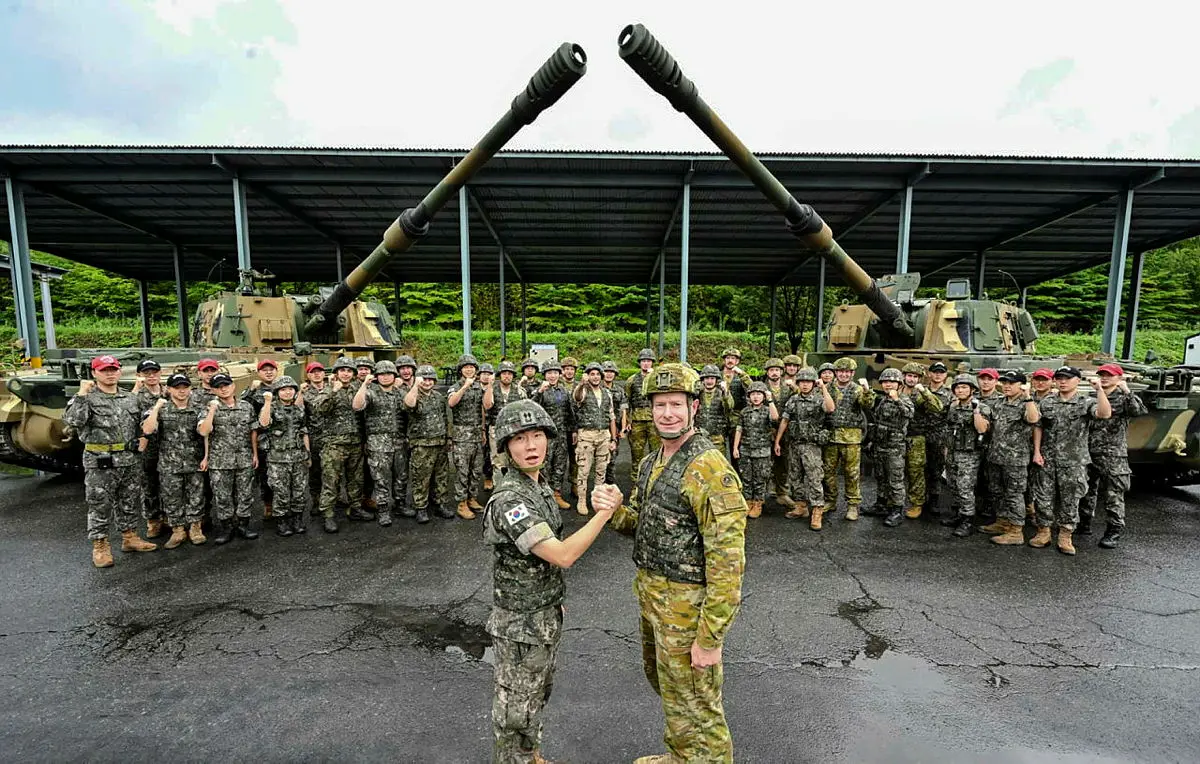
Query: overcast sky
x: 1048, y: 77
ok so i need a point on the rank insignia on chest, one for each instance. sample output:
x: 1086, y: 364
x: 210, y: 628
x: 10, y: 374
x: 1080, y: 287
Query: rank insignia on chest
x: 517, y: 514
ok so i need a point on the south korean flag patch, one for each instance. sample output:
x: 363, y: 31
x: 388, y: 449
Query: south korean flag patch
x: 517, y: 514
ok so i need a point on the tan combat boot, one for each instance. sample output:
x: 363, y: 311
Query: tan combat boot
x: 851, y: 512
x: 562, y: 503
x: 196, y: 534
x: 474, y: 504
x: 1065, y: 544
x: 488, y: 484
x: 178, y: 536
x: 913, y: 512
x: 155, y: 528
x: 799, y: 510
x: 755, y: 508
x: 1041, y: 538
x: 1000, y: 526
x: 815, y: 522
x: 581, y: 506
x: 267, y: 509
x: 784, y: 500
x: 1030, y: 511
x: 131, y: 542
x: 1014, y: 535
x: 101, y: 553
x: 464, y: 511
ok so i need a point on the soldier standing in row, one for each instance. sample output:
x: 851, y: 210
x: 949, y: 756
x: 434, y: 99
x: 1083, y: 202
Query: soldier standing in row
x: 791, y: 367
x: 1109, y: 450
x: 621, y: 403
x: 1010, y: 421
x: 552, y: 395
x: 642, y: 439
x: 891, y: 415
x: 314, y: 389
x: 737, y: 381
x: 595, y: 433
x: 105, y: 418
x: 487, y: 376
x: 342, y: 445
x: 1041, y: 384
x: 171, y: 426
x: 504, y: 392
x: 529, y: 381
x: 522, y: 523
x: 935, y: 436
x: 779, y: 462
x: 206, y: 368
x: 987, y: 380
x: 430, y: 436
x: 268, y: 370
x: 1061, y: 445
x: 752, y: 441
x: 149, y: 390
x: 570, y: 366
x: 716, y: 415
x: 928, y: 412
x: 825, y: 373
x: 283, y: 418
x: 230, y: 432
x: 843, y: 454
x: 803, y: 423
x: 382, y: 402
x: 467, y: 403
x: 965, y: 428
x: 688, y: 518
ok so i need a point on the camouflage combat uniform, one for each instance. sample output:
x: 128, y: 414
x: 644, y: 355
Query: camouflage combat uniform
x: 341, y: 448
x: 387, y: 446
x: 754, y: 449
x: 152, y: 508
x: 429, y: 424
x: 643, y: 438
x: 468, y: 440
x: 806, y: 436
x: 1065, y: 451
x: 1109, y: 474
x: 688, y: 518
x: 1008, y: 457
x: 928, y: 415
x: 964, y: 452
x: 780, y: 465
x: 287, y: 461
x: 231, y: 461
x: 316, y: 438
x: 891, y: 419
x: 180, y: 450
x: 1038, y: 493
x: 254, y: 396
x: 621, y: 404
x: 500, y: 399
x: 985, y: 492
x: 527, y: 612
x: 107, y: 425
x: 594, y: 417
x: 937, y: 437
x: 557, y: 402
x: 843, y: 453
x: 716, y: 416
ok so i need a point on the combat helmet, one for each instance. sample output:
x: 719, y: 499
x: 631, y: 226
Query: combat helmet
x: 285, y: 381
x: 646, y: 354
x: 527, y: 363
x: 426, y: 372
x: 609, y: 366
x: 551, y: 365
x: 806, y: 374
x: 773, y: 363
x: 466, y: 359
x: 710, y: 370
x: 521, y: 416
x: 593, y: 366
x: 486, y: 368
x: 364, y: 362
x: 827, y: 366
x: 965, y: 379
x: 845, y: 362
x: 913, y: 367
x: 344, y: 362
x: 671, y: 378
x: 791, y: 359
x: 384, y: 367
x: 731, y: 351
x: 570, y: 361
x: 506, y: 366
x: 406, y: 360
x: 891, y: 375
x: 758, y: 387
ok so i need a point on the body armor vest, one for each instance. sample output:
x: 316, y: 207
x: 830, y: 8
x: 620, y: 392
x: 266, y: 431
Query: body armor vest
x: 668, y: 540
x: 500, y: 399
x: 383, y: 410
x: 636, y: 399
x: 592, y: 414
x: 287, y: 433
x: 961, y: 423
x: 427, y: 420
x: 891, y: 426
x: 712, y: 417
x: 806, y: 418
x: 469, y: 411
x: 847, y: 413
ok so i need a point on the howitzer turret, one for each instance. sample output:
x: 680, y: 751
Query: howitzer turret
x: 548, y: 84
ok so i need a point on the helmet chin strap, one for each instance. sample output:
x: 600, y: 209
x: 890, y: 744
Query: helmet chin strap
x: 531, y: 468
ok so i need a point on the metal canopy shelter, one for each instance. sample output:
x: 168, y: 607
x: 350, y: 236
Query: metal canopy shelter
x: 580, y: 217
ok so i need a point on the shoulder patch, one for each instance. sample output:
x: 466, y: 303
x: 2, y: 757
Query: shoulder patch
x: 517, y: 514
x: 727, y: 481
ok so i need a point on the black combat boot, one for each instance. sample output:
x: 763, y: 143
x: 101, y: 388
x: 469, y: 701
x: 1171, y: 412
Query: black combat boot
x: 951, y: 520
x: 422, y: 515
x: 330, y: 524
x: 300, y: 522
x: 243, y: 529
x: 445, y: 512
x: 406, y: 511
x: 358, y: 513
x: 1085, y: 525
x: 1111, y: 536
x: 964, y: 526
x: 875, y: 510
x: 895, y: 516
x: 222, y: 532
x: 283, y: 525
x: 385, y: 517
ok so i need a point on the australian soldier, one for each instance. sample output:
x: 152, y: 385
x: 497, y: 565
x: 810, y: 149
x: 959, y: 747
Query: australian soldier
x: 230, y: 432
x: 554, y: 398
x: 843, y: 454
x: 891, y: 416
x: 1010, y: 421
x: 928, y: 411
x: 1109, y: 450
x: 716, y: 415
x: 966, y: 422
x: 170, y: 425
x: 430, y: 439
x: 342, y: 445
x: 467, y: 401
x: 752, y: 441
x: 642, y: 439
x: 595, y: 433
x: 804, y: 423
x: 382, y: 402
x: 621, y: 403
x: 283, y: 417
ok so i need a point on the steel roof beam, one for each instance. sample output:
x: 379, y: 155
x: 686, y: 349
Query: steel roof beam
x: 487, y: 222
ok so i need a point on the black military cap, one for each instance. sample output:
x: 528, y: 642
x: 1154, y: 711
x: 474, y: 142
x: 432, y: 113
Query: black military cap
x: 148, y: 364
x: 1067, y: 371
x: 220, y: 380
x: 1012, y: 375
x: 938, y: 366
x: 178, y: 380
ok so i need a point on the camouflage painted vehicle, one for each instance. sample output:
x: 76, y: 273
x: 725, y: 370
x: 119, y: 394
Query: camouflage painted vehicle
x: 892, y: 326
x: 240, y: 328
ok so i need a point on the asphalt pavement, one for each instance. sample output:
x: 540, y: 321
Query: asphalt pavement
x: 857, y: 644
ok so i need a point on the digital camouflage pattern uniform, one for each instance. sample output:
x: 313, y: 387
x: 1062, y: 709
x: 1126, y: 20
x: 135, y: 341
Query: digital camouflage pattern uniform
x: 313, y: 396
x: 688, y: 518
x: 108, y: 426
x: 180, y: 450
x: 716, y: 416
x: 621, y: 404
x: 963, y: 456
x: 985, y: 493
x: 937, y: 435
x: 806, y: 437
x: 754, y: 449
x: 429, y: 434
x: 254, y: 396
x: 341, y: 447
x: 527, y: 612
x: 1008, y: 457
x: 890, y: 438
x: 1064, y: 448
x: 468, y: 440
x: 593, y: 416
x: 928, y: 416
x: 780, y: 465
x: 387, y: 445
x: 152, y: 508
x: 843, y: 453
x: 1109, y: 473
x: 557, y: 402
x: 287, y: 461
x: 643, y: 438
x: 231, y: 461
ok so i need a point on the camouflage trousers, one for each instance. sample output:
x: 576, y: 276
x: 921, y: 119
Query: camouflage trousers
x: 843, y: 459
x: 1108, y: 481
x: 1008, y: 495
x: 962, y: 473
x: 781, y: 468
x: 341, y: 464
x: 499, y: 459
x: 806, y: 473
x: 610, y: 474
x: 718, y: 440
x: 643, y: 439
x: 114, y: 493
x: 314, y: 472
x: 1066, y: 485
x: 152, y: 508
x: 755, y: 471
x: 468, y: 461
x: 555, y: 468
x: 592, y: 455
x: 233, y: 492
x: 289, y: 487
x: 182, y: 495
x: 262, y: 476
x: 890, y: 475
x: 935, y: 466
x: 524, y: 679
x: 695, y: 729
x: 1038, y: 492
x: 388, y: 468
x: 429, y: 464
x: 915, y: 461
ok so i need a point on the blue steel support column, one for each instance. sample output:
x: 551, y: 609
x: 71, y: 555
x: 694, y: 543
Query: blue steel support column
x: 524, y: 342
x: 771, y: 336
x: 464, y: 249
x: 980, y: 272
x: 180, y: 297
x: 662, y: 298
x: 1024, y: 297
x: 241, y: 222
x: 649, y: 291
x: 337, y: 252
x: 819, y: 328
x: 1131, y: 307
x: 396, y: 302
x: 48, y: 314
x: 503, y: 312
x: 144, y: 305
x: 684, y: 240
x: 905, y: 225
x: 22, y: 270
x: 1116, y: 272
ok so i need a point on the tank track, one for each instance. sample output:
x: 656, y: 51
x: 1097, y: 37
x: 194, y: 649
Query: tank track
x: 67, y: 464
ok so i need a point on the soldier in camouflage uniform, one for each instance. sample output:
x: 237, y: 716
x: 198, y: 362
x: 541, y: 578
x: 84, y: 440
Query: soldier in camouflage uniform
x: 570, y: 366
x: 230, y: 432
x: 1109, y: 450
x: 487, y: 378
x: 966, y: 425
x: 149, y: 390
x: 1041, y: 383
x: 928, y: 414
x: 105, y: 419
x: 1061, y: 445
x: 595, y: 433
x: 803, y: 422
x: 406, y: 368
x: 505, y: 390
x: 206, y: 368
x: 1010, y: 422
x: 716, y: 415
x: 752, y: 441
x: 688, y: 518
x: 523, y: 525
x: 315, y: 388
x: 843, y: 453
x: 341, y: 448
x: 268, y: 370
x: 362, y: 507
x: 737, y: 381
x: 284, y: 418
x: 622, y: 405
x: 891, y: 416
x: 430, y: 438
x: 382, y: 402
x: 170, y: 425
x: 642, y: 439
x: 529, y: 381
x: 936, y: 435
x: 791, y: 367
x: 554, y: 398
x: 779, y: 462
x: 989, y: 393
x: 825, y: 372
x: 468, y: 400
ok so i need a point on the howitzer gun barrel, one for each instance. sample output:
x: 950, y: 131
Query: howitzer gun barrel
x: 646, y: 56
x: 548, y: 84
